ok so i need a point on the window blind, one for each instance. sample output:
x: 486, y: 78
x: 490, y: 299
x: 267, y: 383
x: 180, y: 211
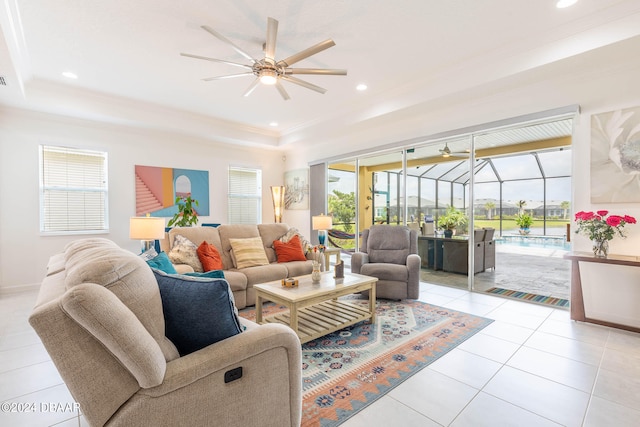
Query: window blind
x: 73, y: 190
x: 245, y: 196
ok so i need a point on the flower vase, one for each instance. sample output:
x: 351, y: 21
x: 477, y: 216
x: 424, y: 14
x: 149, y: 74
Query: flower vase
x: 315, y: 273
x: 600, y: 248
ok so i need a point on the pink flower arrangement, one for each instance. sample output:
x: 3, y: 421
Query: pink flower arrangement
x: 317, y: 252
x: 598, y: 226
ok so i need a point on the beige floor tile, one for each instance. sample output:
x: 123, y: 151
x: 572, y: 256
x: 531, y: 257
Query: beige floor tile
x: 556, y: 402
x: 555, y: 368
x: 602, y: 412
x: 466, y: 367
x: 508, y: 332
x: 618, y: 387
x: 389, y: 412
x: 566, y: 347
x: 434, y: 395
x: 489, y: 347
x: 488, y: 411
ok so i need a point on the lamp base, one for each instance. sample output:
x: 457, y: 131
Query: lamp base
x: 322, y: 237
x: 147, y: 244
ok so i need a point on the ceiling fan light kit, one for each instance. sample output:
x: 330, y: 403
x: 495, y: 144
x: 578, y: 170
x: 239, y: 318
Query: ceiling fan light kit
x: 268, y: 71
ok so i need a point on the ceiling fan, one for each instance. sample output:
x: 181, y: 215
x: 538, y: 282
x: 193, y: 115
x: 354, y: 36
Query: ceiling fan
x: 267, y: 70
x: 446, y: 152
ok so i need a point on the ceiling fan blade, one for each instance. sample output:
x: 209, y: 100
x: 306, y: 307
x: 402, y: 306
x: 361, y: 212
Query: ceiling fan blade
x: 229, y: 42
x: 283, y: 92
x: 304, y: 84
x: 317, y: 71
x: 251, y: 87
x: 216, y: 60
x: 230, y: 76
x: 307, y: 53
x: 270, y: 45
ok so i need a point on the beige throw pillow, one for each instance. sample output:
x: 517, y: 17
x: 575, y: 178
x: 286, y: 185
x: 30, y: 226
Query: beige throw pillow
x: 248, y: 252
x: 184, y: 251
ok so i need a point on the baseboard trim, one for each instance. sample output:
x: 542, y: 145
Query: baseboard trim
x: 13, y: 290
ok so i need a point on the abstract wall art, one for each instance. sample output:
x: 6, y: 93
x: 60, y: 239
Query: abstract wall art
x: 157, y: 189
x: 615, y: 156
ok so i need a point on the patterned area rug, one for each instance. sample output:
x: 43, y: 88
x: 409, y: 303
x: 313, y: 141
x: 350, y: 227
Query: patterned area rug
x: 558, y: 302
x: 346, y: 371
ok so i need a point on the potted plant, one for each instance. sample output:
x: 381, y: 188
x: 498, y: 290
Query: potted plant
x: 451, y: 219
x: 524, y: 221
x: 186, y: 215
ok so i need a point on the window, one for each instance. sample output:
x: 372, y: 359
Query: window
x: 73, y: 191
x: 245, y: 196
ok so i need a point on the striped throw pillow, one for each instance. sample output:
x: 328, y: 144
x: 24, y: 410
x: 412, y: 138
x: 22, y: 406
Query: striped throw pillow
x: 248, y: 252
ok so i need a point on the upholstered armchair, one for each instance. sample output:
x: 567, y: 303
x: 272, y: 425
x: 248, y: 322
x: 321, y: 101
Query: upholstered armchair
x: 390, y: 253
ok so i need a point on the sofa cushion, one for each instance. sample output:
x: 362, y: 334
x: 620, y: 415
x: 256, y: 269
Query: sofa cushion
x: 209, y: 257
x: 248, y: 252
x: 198, y: 312
x: 290, y: 251
x: 184, y: 251
x: 158, y: 260
x: 294, y: 232
x: 107, y: 319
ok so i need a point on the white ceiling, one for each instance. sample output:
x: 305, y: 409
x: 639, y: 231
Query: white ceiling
x: 127, y: 56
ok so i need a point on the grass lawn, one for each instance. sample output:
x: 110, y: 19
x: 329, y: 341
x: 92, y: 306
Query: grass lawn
x: 510, y: 224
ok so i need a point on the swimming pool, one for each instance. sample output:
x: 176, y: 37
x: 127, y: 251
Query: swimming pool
x: 534, y: 241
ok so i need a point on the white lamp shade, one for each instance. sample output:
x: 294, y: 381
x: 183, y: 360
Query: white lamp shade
x: 321, y: 222
x: 146, y: 228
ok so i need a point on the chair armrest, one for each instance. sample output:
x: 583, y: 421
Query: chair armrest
x: 227, y: 353
x: 413, y: 283
x: 358, y: 259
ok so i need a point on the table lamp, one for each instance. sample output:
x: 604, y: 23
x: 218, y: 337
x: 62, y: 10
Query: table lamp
x: 322, y: 223
x: 147, y: 229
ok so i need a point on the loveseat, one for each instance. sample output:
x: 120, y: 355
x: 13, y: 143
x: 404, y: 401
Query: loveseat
x: 101, y: 315
x: 242, y: 280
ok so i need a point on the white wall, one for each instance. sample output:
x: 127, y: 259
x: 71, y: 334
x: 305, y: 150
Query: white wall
x: 598, y: 82
x: 24, y: 252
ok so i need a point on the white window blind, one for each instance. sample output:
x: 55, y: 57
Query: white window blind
x: 245, y: 196
x: 73, y: 190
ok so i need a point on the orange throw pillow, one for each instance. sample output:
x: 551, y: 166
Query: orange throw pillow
x: 209, y: 257
x: 290, y: 251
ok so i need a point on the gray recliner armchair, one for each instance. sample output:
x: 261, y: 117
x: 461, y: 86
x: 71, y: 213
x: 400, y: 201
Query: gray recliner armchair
x: 390, y: 253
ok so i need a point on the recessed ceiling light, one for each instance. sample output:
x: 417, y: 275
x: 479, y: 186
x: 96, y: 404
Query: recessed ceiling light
x: 274, y: 124
x: 361, y: 87
x: 70, y: 75
x: 565, y: 3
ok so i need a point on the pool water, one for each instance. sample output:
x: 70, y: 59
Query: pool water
x: 533, y: 241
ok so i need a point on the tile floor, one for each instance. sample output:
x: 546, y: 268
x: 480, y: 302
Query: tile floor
x: 533, y: 366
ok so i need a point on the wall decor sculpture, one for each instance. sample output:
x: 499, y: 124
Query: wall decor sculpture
x: 615, y: 156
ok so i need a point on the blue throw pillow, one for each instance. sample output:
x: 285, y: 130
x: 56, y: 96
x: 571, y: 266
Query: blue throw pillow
x: 159, y: 261
x: 197, y: 311
x: 213, y: 274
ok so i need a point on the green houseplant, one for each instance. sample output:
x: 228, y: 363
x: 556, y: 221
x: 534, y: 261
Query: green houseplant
x: 186, y: 215
x: 451, y: 219
x: 524, y: 221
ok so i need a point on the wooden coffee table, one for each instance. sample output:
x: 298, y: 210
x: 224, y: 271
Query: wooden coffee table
x: 314, y: 309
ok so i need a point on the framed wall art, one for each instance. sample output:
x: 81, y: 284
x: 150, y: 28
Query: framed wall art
x: 615, y: 156
x: 296, y: 195
x: 157, y: 189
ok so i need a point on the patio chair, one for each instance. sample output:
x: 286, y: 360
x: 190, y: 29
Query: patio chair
x: 489, y: 249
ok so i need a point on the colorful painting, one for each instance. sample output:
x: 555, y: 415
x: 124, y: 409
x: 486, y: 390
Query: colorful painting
x: 157, y: 189
x: 296, y: 194
x: 615, y: 156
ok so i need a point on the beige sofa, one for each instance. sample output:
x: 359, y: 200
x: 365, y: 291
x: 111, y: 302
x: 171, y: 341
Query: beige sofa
x: 241, y: 281
x: 99, y: 314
